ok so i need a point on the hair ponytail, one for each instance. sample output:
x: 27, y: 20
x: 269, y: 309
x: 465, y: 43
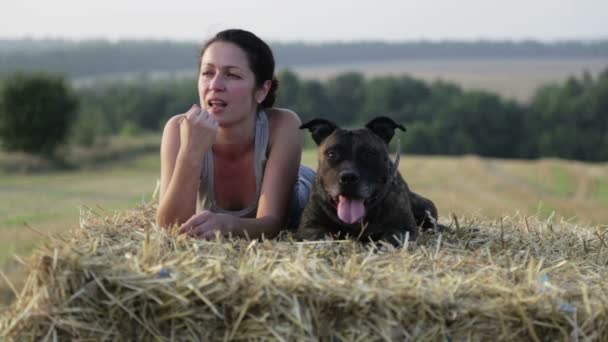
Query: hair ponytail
x: 272, y: 94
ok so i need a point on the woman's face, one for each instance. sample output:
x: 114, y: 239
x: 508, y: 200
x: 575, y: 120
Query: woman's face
x: 226, y: 84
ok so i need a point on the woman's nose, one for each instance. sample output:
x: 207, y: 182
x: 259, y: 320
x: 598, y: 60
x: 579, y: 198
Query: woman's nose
x: 217, y: 82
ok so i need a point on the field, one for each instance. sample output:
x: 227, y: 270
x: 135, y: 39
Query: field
x: 33, y: 205
x: 515, y: 78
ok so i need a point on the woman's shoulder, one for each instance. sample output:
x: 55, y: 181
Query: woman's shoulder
x: 171, y: 130
x: 282, y: 118
x: 284, y: 124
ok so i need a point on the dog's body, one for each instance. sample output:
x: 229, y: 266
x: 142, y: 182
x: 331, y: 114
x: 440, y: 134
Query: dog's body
x: 358, y: 190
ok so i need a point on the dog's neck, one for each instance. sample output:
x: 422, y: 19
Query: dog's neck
x: 395, y: 168
x: 393, y: 174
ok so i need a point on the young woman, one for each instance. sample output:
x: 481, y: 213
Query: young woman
x: 229, y: 165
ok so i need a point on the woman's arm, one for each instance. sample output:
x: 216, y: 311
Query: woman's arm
x: 186, y: 138
x: 280, y: 173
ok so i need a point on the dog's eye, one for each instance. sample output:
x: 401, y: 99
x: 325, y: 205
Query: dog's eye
x: 332, y: 155
x: 370, y: 154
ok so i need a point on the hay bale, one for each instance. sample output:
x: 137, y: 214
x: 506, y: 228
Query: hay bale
x: 118, y: 277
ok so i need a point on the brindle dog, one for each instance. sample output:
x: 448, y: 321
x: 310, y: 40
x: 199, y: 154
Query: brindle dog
x: 358, y: 190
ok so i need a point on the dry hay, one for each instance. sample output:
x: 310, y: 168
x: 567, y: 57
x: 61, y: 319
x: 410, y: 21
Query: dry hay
x: 120, y: 278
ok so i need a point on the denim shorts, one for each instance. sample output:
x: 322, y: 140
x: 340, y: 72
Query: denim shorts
x: 300, y: 196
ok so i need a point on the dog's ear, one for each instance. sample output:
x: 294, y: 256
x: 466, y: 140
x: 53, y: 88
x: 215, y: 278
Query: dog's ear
x: 319, y: 129
x: 384, y: 127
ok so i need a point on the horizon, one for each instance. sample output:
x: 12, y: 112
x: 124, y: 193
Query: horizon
x: 311, y: 42
x: 316, y: 21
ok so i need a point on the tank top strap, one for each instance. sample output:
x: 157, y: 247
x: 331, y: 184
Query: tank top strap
x: 262, y: 137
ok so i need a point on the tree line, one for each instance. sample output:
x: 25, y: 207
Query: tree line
x: 567, y: 120
x: 98, y: 57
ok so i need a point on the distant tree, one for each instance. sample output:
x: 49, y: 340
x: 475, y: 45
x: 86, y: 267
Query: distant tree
x: 481, y: 123
x: 289, y: 86
x: 419, y: 139
x: 347, y: 94
x: 312, y: 101
x: 397, y: 97
x: 36, y: 111
x: 88, y: 127
x: 184, y: 95
x: 566, y: 120
x: 572, y: 119
x: 148, y: 104
x: 441, y: 94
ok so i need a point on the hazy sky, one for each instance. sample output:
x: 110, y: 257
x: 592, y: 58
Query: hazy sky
x: 307, y: 20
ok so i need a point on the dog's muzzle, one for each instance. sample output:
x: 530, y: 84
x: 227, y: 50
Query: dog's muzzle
x: 351, y: 209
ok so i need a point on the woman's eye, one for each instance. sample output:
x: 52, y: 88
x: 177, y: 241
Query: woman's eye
x: 207, y: 73
x: 234, y: 76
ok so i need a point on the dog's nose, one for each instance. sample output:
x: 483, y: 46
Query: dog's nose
x: 348, y: 177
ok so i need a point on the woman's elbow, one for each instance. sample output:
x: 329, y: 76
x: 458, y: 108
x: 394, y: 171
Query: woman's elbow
x: 161, y: 219
x: 164, y: 219
x: 273, y: 227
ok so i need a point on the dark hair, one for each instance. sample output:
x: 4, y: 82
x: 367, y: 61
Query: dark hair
x: 259, y: 56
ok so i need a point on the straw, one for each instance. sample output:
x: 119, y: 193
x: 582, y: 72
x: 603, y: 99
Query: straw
x: 119, y: 277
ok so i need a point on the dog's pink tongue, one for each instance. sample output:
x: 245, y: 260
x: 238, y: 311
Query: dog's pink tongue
x: 350, y: 210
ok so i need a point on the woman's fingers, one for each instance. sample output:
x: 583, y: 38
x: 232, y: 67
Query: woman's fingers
x: 208, y: 120
x: 194, y: 221
x: 207, y: 232
x: 185, y: 229
x: 203, y: 231
x: 210, y: 235
x: 207, y: 228
x: 188, y: 115
x: 198, y: 117
x: 194, y: 111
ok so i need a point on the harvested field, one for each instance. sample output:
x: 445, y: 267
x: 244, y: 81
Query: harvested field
x: 118, y: 277
x: 513, y: 78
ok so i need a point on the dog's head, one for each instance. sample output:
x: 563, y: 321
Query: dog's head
x: 354, y: 167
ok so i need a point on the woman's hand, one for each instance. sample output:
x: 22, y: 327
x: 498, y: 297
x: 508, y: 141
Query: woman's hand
x: 197, y: 131
x: 205, y: 224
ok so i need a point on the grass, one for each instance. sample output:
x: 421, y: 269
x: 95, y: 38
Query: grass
x: 601, y: 190
x: 106, y: 151
x: 563, y: 182
x: 51, y: 201
x: 34, y: 205
x: 484, y: 188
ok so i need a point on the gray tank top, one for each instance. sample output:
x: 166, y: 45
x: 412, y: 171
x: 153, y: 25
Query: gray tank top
x: 206, y: 190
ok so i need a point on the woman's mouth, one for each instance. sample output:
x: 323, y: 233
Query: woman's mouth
x: 216, y: 105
